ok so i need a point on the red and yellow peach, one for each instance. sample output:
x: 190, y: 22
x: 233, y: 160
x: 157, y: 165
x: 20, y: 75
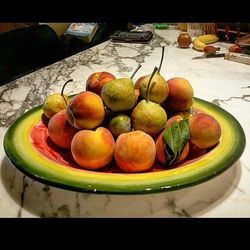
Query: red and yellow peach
x: 180, y: 96
x: 135, y: 151
x: 205, y: 131
x: 86, y: 110
x: 160, y: 154
x: 61, y: 132
x: 93, y: 149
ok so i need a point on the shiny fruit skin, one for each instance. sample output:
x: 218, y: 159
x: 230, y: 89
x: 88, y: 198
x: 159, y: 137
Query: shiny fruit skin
x: 61, y: 132
x: 97, y: 80
x: 119, y: 94
x: 55, y: 103
x: 158, y: 92
x: 119, y: 124
x: 205, y: 131
x: 135, y: 151
x: 93, y: 149
x: 235, y: 48
x: 210, y: 50
x: 138, y: 82
x: 184, y: 40
x: 149, y: 117
x: 86, y: 110
x: 180, y: 97
x: 200, y: 42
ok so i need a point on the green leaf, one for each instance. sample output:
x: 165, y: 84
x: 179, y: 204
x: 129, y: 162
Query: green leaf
x: 175, y: 137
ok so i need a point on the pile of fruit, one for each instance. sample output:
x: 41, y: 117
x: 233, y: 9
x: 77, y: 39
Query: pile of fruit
x: 135, y: 125
x: 199, y: 43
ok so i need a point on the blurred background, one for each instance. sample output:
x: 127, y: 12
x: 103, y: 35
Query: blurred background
x: 26, y: 47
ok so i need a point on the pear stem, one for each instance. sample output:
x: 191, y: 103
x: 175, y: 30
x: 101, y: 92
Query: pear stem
x: 148, y: 87
x: 71, y: 80
x: 162, y: 56
x: 138, y: 67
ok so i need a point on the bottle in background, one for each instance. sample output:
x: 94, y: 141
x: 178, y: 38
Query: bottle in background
x: 182, y: 26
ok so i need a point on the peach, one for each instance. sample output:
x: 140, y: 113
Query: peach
x: 160, y: 155
x: 86, y: 110
x: 97, y: 80
x: 205, y: 131
x: 93, y: 149
x: 186, y: 113
x: 137, y: 94
x: 138, y: 82
x: 176, y: 118
x: 195, y: 152
x: 180, y: 96
x: 61, y: 132
x: 135, y: 151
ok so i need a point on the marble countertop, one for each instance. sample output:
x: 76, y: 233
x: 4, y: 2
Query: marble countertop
x: 222, y: 82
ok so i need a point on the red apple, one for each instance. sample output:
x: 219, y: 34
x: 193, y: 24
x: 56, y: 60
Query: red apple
x: 210, y: 50
x: 97, y: 80
x: 235, y: 48
x: 184, y: 40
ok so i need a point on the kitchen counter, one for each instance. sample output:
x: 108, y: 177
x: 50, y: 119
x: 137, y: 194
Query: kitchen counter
x: 224, y: 83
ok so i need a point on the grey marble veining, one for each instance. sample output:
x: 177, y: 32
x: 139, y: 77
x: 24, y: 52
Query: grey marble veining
x: 224, y: 83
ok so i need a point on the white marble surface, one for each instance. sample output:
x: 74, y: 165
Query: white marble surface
x: 222, y: 82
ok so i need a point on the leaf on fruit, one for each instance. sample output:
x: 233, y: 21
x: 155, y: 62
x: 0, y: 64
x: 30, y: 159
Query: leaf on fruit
x: 175, y: 137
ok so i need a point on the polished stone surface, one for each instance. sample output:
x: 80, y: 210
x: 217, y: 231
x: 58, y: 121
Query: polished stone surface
x: 222, y: 82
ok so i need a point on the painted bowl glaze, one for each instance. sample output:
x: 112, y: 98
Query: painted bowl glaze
x: 29, y: 148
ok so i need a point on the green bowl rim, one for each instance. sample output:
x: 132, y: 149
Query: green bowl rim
x: 204, y: 176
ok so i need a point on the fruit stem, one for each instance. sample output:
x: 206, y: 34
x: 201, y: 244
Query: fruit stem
x: 148, y: 87
x: 71, y: 80
x: 162, y: 55
x: 138, y: 67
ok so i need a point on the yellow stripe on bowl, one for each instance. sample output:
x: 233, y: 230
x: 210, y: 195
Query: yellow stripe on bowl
x: 19, y: 148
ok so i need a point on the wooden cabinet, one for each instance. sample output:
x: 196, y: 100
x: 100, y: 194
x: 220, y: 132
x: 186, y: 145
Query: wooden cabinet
x: 5, y: 27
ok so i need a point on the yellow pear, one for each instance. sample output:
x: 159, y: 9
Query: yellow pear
x: 149, y: 116
x: 159, y: 89
x: 56, y: 102
x: 119, y: 94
